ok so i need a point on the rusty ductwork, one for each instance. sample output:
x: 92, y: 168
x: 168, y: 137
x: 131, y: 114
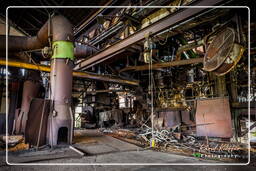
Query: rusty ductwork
x: 57, y: 28
x: 53, y: 27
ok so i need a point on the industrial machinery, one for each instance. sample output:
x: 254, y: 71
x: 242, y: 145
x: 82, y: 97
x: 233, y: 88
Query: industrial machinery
x: 176, y: 74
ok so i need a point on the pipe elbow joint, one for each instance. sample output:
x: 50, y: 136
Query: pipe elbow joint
x: 62, y: 29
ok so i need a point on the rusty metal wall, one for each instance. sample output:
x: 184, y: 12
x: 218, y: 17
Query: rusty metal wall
x: 35, y: 132
x: 57, y: 31
x: 213, y: 118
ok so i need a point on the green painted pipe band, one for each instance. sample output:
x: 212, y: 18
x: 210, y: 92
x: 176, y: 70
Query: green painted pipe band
x: 63, y: 49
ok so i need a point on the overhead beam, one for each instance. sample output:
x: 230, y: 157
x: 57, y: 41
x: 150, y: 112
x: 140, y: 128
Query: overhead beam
x: 161, y: 25
x: 163, y: 64
x: 86, y: 75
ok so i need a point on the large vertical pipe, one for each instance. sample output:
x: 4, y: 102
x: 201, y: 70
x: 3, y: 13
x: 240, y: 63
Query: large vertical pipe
x: 60, y: 121
x: 61, y: 90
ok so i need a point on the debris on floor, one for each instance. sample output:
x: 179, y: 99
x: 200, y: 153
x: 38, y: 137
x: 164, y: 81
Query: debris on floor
x: 189, y: 145
x: 15, y: 143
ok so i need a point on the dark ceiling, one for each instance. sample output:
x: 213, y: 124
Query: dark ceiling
x: 30, y: 20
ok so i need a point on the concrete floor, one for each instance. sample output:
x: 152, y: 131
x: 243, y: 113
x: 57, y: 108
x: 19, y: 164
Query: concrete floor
x: 100, y: 149
x: 146, y: 156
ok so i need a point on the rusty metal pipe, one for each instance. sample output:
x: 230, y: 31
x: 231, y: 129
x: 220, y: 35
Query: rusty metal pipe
x: 58, y: 32
x: 61, y: 91
x: 61, y: 87
x: 187, y: 47
x: 22, y: 43
x: 61, y: 29
x: 82, y: 51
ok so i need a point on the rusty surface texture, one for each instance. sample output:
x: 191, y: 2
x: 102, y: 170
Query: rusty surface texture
x: 215, y: 117
x: 61, y: 80
x: 20, y: 43
x: 30, y: 90
x: 35, y: 132
x: 82, y: 51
